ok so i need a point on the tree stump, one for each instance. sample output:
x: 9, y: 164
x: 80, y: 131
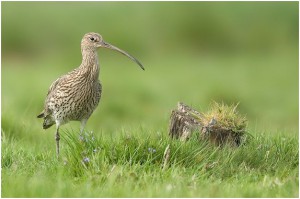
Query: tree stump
x: 184, y: 121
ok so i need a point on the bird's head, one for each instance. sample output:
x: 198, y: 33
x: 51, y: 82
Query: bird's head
x: 92, y: 41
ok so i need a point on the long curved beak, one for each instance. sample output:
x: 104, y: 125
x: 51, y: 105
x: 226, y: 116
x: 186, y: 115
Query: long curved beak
x: 109, y: 46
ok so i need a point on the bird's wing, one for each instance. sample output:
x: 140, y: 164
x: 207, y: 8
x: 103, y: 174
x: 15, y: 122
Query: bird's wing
x: 54, y: 85
x: 59, y: 81
x: 50, y: 93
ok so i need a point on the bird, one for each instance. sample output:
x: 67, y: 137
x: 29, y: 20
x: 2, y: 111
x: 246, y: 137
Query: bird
x: 75, y: 95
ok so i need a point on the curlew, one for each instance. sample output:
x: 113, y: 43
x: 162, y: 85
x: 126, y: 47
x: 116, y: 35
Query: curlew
x: 75, y: 95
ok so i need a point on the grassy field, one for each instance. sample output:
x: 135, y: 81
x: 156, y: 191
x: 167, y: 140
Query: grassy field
x: 213, y: 51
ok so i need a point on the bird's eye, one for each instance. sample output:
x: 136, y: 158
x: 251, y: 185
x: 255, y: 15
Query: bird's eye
x: 92, y: 38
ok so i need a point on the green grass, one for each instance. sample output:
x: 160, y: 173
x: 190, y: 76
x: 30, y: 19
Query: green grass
x: 131, y: 166
x: 231, y: 52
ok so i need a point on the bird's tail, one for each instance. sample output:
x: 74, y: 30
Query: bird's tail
x: 48, y: 121
x: 41, y: 115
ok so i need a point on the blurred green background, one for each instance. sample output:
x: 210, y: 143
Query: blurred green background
x: 193, y: 52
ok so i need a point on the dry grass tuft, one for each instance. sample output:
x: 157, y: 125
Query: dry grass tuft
x: 225, y: 117
x: 223, y: 124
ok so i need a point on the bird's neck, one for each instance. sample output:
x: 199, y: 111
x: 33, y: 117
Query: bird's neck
x: 90, y: 65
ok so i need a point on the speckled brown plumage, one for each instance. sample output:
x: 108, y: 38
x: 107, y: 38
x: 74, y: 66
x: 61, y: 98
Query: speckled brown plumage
x: 74, y: 96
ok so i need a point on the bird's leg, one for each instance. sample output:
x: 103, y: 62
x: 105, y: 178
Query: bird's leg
x: 83, y: 122
x: 81, y: 135
x: 57, y: 138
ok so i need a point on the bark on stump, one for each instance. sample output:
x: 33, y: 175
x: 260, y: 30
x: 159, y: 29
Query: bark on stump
x: 184, y: 121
